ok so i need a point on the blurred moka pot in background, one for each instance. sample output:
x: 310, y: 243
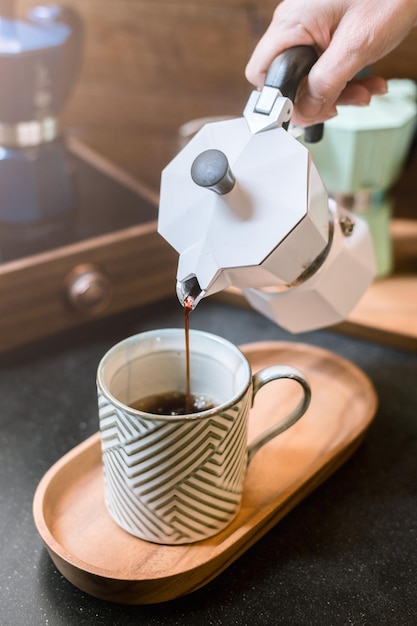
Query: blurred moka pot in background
x: 39, y: 59
x: 362, y: 154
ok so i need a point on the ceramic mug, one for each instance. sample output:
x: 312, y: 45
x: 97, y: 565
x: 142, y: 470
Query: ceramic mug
x: 179, y: 479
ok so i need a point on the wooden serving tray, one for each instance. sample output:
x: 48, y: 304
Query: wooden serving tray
x: 98, y: 557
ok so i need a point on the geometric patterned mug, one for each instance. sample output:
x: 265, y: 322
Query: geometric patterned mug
x: 179, y: 479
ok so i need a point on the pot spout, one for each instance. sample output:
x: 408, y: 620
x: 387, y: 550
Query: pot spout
x: 189, y: 292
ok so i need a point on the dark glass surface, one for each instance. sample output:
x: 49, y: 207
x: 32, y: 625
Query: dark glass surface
x: 100, y: 205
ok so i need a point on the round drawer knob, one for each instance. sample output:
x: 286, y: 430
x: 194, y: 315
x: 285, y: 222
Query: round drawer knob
x: 88, y: 289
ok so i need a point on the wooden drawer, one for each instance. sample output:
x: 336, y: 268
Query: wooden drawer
x: 62, y: 288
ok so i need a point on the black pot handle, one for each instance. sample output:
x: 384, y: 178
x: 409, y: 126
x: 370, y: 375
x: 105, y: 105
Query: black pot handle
x: 285, y: 73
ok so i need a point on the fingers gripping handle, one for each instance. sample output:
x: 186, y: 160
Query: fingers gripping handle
x: 267, y: 375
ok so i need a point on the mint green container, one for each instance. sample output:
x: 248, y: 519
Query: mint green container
x: 363, y: 151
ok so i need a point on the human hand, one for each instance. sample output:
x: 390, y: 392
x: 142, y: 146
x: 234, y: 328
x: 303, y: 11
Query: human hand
x: 348, y: 35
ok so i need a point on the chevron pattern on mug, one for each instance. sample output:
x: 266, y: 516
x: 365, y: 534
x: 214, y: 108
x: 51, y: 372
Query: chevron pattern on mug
x: 170, y: 477
x: 174, y: 481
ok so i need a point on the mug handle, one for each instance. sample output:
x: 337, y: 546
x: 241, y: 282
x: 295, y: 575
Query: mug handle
x: 267, y: 375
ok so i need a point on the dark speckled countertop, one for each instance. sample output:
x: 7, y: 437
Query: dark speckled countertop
x: 346, y: 555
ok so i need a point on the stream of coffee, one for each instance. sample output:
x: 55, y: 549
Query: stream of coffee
x: 188, y: 307
x: 175, y: 402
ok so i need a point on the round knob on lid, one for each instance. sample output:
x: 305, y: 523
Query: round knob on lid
x: 211, y: 170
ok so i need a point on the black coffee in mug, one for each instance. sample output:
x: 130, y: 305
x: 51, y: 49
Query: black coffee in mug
x: 173, y: 403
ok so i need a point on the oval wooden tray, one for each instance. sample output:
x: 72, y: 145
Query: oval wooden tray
x: 94, y: 554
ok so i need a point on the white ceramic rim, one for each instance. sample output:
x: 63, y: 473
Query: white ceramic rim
x: 173, y: 418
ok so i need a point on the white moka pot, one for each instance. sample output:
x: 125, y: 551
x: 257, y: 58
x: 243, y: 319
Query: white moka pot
x: 244, y: 205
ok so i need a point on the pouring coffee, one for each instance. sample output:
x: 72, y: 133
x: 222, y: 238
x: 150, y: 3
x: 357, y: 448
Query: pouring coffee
x: 244, y: 205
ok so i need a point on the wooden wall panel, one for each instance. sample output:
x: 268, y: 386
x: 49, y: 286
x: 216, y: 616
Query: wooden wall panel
x: 150, y: 65
x: 401, y: 62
